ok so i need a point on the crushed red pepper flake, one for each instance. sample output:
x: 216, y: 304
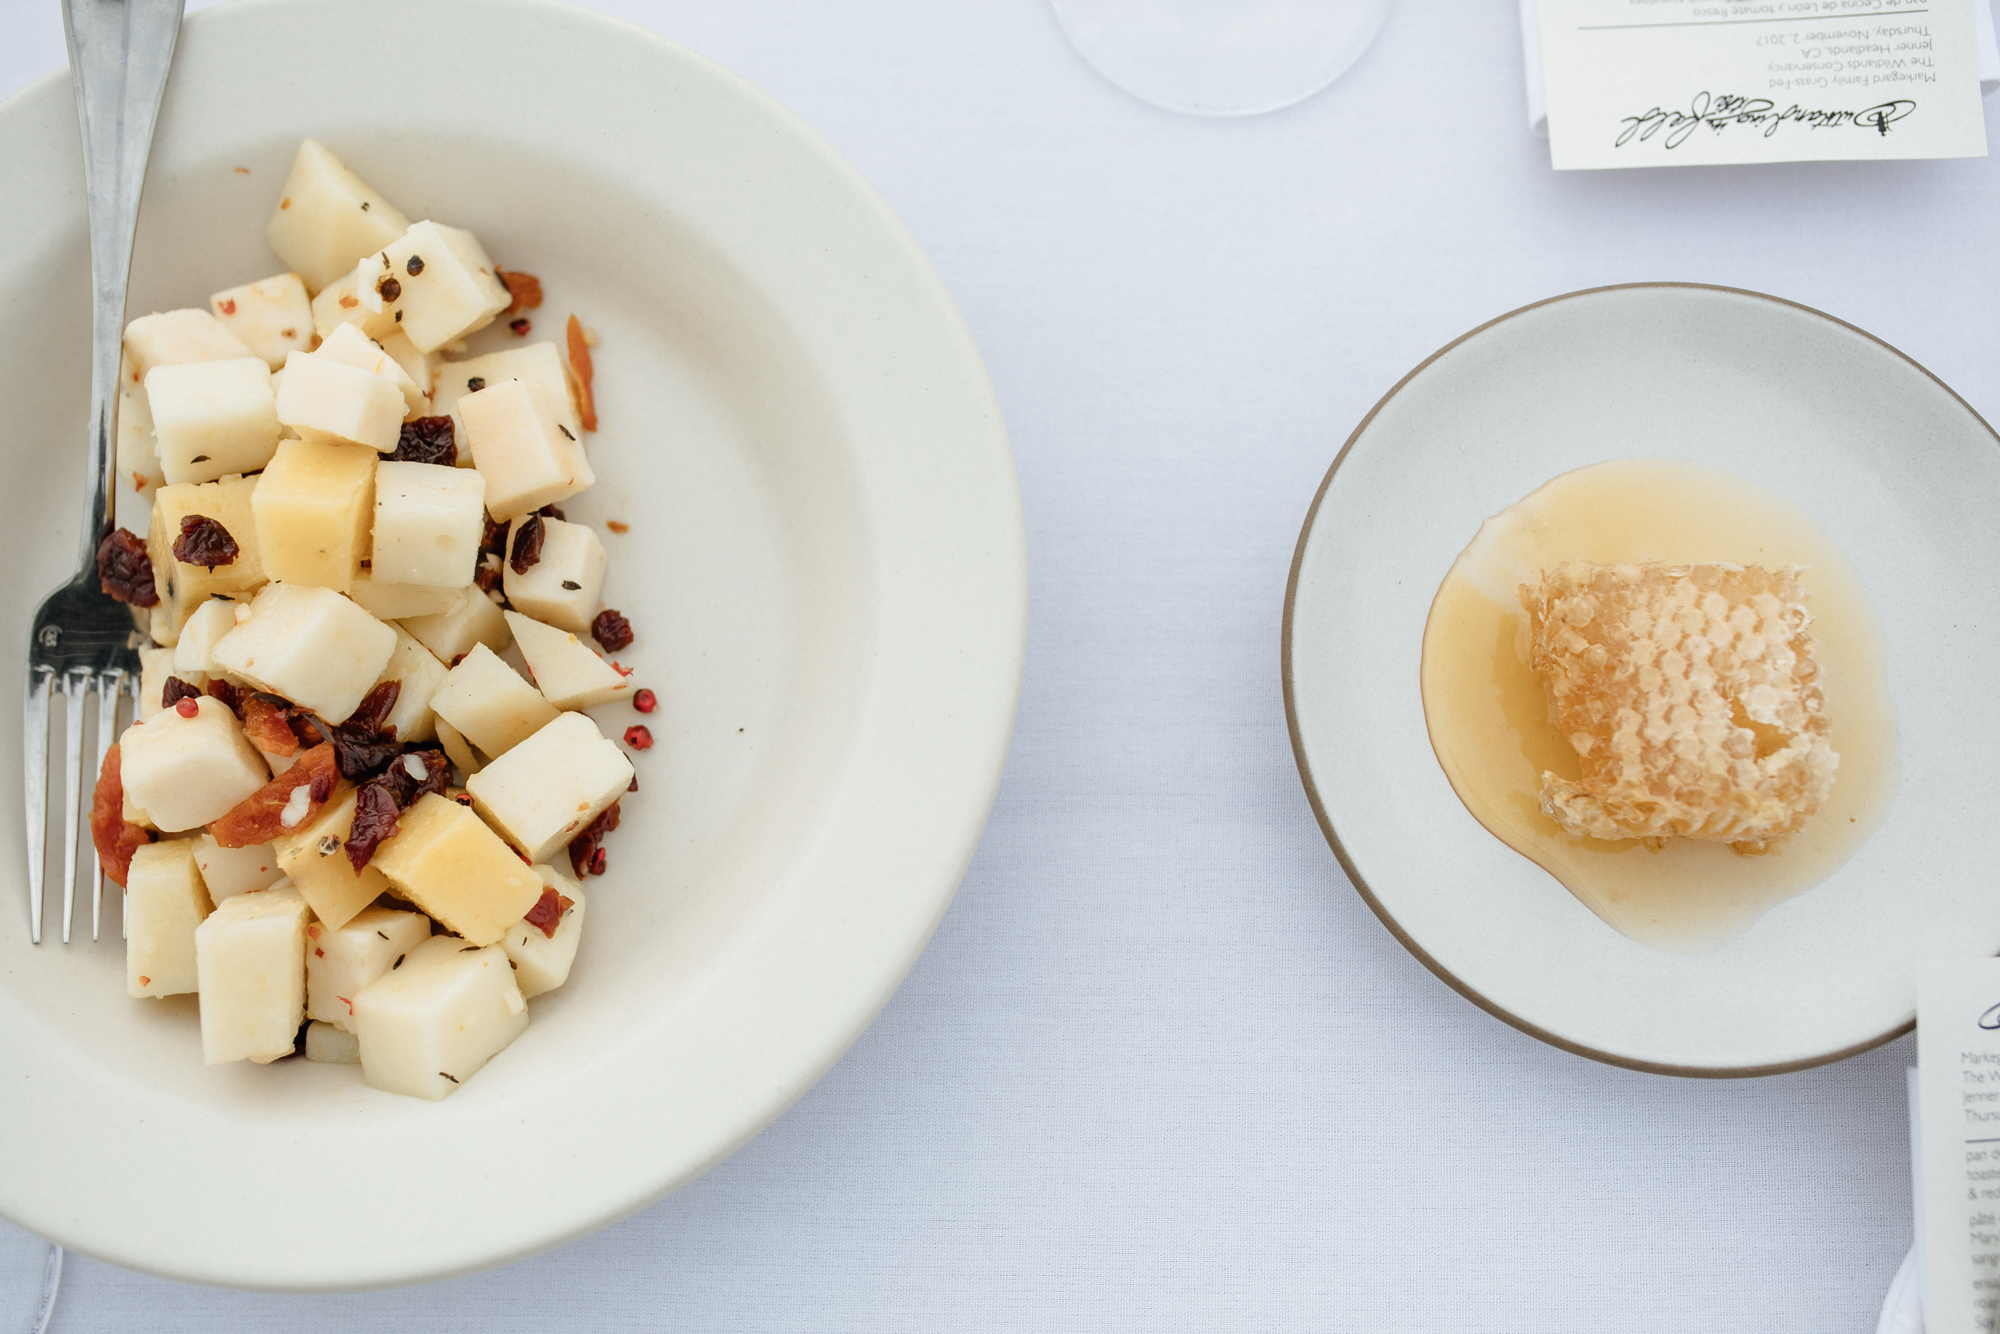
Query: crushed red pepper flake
x: 580, y: 373
x: 205, y: 542
x: 618, y: 526
x: 125, y: 570
x: 114, y: 837
x: 229, y: 306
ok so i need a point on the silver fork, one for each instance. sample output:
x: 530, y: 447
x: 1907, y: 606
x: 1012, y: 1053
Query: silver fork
x: 83, y: 642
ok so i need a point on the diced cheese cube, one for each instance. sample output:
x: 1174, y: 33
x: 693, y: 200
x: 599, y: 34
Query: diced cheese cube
x: 447, y: 862
x: 332, y: 1046
x: 164, y: 903
x: 185, y: 772
x: 211, y: 621
x: 328, y: 217
x: 429, y: 1026
x: 334, y: 403
x: 251, y: 956
x: 542, y: 963
x: 489, y: 703
x: 337, y: 304
x: 561, y: 588
x: 429, y: 520
x: 567, y: 671
x: 212, y: 418
x: 436, y: 281
x: 472, y: 619
x: 314, y: 508
x: 341, y: 960
x: 272, y: 316
x: 138, y: 447
x: 458, y: 750
x: 155, y: 666
x: 396, y: 602
x: 183, y: 588
x: 420, y: 675
x: 316, y: 860
x: 528, y: 459
x: 348, y: 344
x: 228, y: 872
x: 419, y: 366
x: 538, y: 365
x: 179, y: 337
x: 542, y: 793
x: 310, y: 645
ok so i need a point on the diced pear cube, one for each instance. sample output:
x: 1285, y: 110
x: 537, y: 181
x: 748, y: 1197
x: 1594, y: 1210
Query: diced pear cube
x: 542, y: 793
x: 179, y: 337
x: 184, y: 588
x: 314, y: 508
x: 420, y: 674
x: 458, y: 750
x: 272, y: 316
x: 562, y: 587
x: 328, y: 217
x: 251, y: 956
x: 348, y: 344
x: 341, y: 960
x: 316, y: 860
x: 184, y: 771
x: 138, y: 447
x: 429, y: 520
x: 436, y: 281
x: 542, y: 963
x: 567, y: 671
x: 528, y: 459
x: 489, y: 703
x: 337, y: 304
x: 155, y: 666
x: 164, y: 903
x: 472, y: 619
x: 332, y: 1046
x: 212, y: 418
x: 310, y: 645
x: 538, y: 365
x: 430, y: 1025
x: 211, y: 621
x: 445, y: 860
x: 228, y: 872
x: 396, y: 602
x: 331, y: 402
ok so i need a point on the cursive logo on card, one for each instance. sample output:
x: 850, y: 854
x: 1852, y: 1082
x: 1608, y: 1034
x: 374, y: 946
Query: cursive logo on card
x: 1991, y: 1019
x: 1719, y: 112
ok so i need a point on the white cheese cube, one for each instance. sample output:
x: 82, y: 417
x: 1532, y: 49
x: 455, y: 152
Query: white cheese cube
x: 314, y: 507
x: 183, y: 588
x: 179, y: 337
x: 272, y: 316
x: 567, y: 671
x: 445, y: 860
x: 251, y: 956
x: 228, y: 872
x: 489, y: 704
x: 420, y: 674
x: 541, y: 794
x: 212, y: 418
x: 185, y: 772
x: 429, y: 1026
x: 332, y: 1046
x: 429, y: 520
x: 328, y: 217
x: 155, y: 666
x: 310, y: 645
x: 340, y: 961
x: 315, y: 858
x: 395, y: 602
x: 540, y: 366
x: 528, y: 459
x: 138, y: 448
x: 333, y: 403
x: 562, y: 588
x: 542, y: 962
x: 420, y: 366
x: 337, y: 304
x: 437, y: 283
x: 472, y: 619
x: 211, y: 621
x: 164, y: 903
x: 349, y: 345
x: 457, y: 749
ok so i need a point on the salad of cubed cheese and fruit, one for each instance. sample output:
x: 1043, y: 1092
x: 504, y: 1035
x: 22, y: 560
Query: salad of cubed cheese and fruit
x: 355, y: 811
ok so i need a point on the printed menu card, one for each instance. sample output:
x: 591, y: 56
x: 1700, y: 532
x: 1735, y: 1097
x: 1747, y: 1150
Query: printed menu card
x: 1652, y: 83
x: 1958, y: 1074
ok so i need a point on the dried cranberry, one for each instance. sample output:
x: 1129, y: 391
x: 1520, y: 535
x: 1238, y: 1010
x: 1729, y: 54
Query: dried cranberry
x: 487, y: 577
x: 597, y: 860
x: 550, y: 512
x: 375, y: 815
x: 547, y: 913
x: 494, y: 541
x: 527, y: 544
x: 414, y: 265
x: 187, y: 708
x: 611, y: 630
x: 426, y: 440
x: 584, y: 849
x: 174, y: 690
x: 645, y: 701
x: 520, y: 326
x: 639, y: 736
x: 405, y: 786
x: 377, y: 705
x: 389, y: 288
x: 227, y: 693
x: 125, y: 570
x: 205, y: 542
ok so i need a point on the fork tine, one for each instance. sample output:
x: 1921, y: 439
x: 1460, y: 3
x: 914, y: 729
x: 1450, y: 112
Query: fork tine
x: 130, y: 688
x: 35, y: 787
x: 110, y: 689
x: 75, y: 687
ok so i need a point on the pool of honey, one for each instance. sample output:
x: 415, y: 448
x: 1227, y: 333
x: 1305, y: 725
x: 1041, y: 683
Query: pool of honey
x: 1488, y: 716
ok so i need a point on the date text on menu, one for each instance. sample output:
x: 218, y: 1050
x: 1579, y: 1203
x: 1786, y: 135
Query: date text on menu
x: 1958, y: 1064
x: 1656, y: 83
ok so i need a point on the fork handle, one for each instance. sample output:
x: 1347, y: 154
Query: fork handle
x: 119, y: 54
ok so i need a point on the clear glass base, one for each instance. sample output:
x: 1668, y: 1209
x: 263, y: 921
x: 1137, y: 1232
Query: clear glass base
x: 1221, y: 57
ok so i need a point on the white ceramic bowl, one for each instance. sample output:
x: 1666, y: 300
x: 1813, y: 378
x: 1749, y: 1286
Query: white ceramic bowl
x: 825, y: 569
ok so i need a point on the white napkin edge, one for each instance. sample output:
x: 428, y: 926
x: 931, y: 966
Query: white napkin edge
x: 1538, y: 93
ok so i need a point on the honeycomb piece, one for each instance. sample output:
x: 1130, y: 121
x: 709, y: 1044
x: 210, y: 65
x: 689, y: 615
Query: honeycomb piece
x: 1691, y: 697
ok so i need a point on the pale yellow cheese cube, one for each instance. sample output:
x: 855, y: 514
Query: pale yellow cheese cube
x: 429, y: 520
x: 341, y: 960
x: 273, y: 316
x: 472, y: 619
x: 179, y: 337
x: 138, y: 449
x: 430, y: 1025
x: 251, y: 956
x: 489, y: 703
x: 185, y: 771
x: 212, y: 418
x: 542, y: 963
x: 348, y: 344
x: 567, y: 671
x: 337, y: 304
x: 445, y: 860
x: 309, y: 645
x: 540, y: 366
x: 184, y: 588
x: 396, y: 602
x: 458, y: 750
x: 314, y: 509
x: 541, y: 794
x: 420, y: 366
x: 436, y: 281
x: 419, y: 674
x: 331, y: 402
x: 315, y: 858
x: 228, y: 872
x: 563, y: 587
x: 528, y: 459
x: 211, y: 621
x: 327, y: 217
x: 164, y: 903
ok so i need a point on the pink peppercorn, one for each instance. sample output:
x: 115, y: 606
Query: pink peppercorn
x: 645, y: 701
x: 639, y: 737
x: 187, y: 708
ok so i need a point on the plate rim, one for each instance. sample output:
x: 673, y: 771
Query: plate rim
x: 1326, y: 824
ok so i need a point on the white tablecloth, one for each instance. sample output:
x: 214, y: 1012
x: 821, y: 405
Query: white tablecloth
x: 1161, y: 1068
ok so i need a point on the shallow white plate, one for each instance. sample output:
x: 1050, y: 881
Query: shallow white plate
x: 825, y: 569
x: 1898, y: 470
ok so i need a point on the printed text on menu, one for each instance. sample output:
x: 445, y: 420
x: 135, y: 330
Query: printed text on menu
x: 1958, y: 1061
